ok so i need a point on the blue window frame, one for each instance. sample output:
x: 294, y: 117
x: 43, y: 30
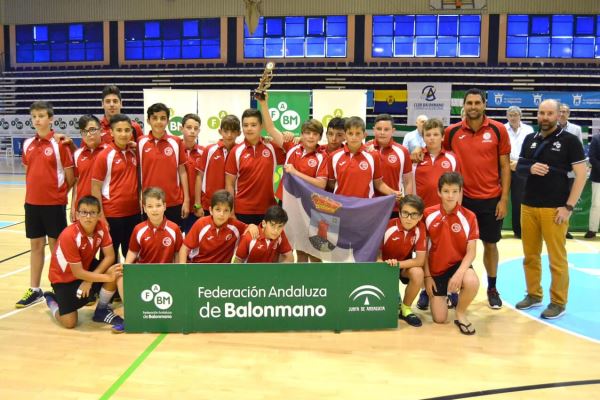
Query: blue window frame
x: 59, y: 43
x: 553, y: 36
x: 426, y: 36
x: 173, y: 39
x: 298, y: 37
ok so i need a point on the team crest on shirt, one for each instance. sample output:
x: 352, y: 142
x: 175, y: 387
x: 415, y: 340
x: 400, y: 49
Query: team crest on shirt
x: 266, y: 153
x: 392, y: 158
x: 363, y: 165
x: 487, y: 137
x: 48, y: 151
x: 228, y: 237
x: 455, y: 227
x: 312, y: 163
x: 556, y: 146
x: 168, y: 151
x: 167, y: 241
x: 446, y: 164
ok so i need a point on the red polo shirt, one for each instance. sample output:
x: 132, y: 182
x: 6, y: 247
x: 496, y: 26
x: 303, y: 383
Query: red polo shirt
x: 312, y: 164
x: 254, y: 167
x: 209, y: 244
x: 159, y: 164
x: 193, y: 157
x: 479, y: 156
x: 84, y: 158
x: 75, y: 246
x: 46, y: 161
x: 155, y: 245
x: 106, y: 137
x: 117, y: 170
x: 428, y: 172
x: 395, y: 162
x: 262, y: 250
x: 398, y: 243
x: 212, y: 167
x: 354, y: 173
x: 448, y: 235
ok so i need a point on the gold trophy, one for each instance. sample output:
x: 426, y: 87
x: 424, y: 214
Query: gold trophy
x: 265, y: 81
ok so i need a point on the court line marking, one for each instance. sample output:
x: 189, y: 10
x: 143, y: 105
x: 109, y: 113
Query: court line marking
x: 588, y: 245
x: 136, y: 363
x: 18, y: 310
x: 11, y: 224
x: 18, y: 255
x: 515, y: 389
x: 14, y: 272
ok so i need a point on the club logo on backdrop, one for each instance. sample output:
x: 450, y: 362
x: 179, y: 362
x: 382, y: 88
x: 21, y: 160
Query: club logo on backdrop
x: 577, y: 99
x: 537, y: 98
x: 163, y: 300
x: 288, y: 119
x: 428, y: 93
x: 365, y: 295
x: 498, y: 97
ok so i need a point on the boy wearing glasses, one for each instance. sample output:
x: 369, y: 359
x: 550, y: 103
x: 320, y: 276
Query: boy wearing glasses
x: 403, y: 237
x: 84, y: 157
x: 74, y: 274
x: 48, y: 178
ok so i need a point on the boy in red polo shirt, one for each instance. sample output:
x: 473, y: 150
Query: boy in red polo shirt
x: 84, y: 158
x: 74, y: 274
x: 112, y: 105
x: 396, y: 166
x: 453, y: 232
x: 335, y: 134
x: 271, y: 245
x: 48, y: 178
x: 162, y: 163
x: 403, y: 236
x: 250, y: 169
x: 115, y: 184
x: 353, y: 170
x: 213, y: 238
x: 190, y: 128
x: 211, y: 166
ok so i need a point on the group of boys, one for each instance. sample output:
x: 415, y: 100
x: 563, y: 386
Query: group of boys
x: 111, y: 171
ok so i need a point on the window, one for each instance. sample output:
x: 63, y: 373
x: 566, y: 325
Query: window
x: 60, y: 43
x: 426, y: 36
x: 297, y: 37
x: 173, y: 39
x: 553, y: 36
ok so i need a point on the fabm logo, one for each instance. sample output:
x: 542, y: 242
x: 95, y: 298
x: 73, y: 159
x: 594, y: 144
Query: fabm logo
x: 162, y: 300
x: 368, y: 292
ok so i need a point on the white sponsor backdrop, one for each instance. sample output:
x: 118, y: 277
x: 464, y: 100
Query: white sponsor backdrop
x: 433, y: 99
x: 63, y: 123
x: 213, y: 105
x: 328, y: 104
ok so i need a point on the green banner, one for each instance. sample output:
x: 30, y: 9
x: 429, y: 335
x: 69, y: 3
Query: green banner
x: 260, y: 297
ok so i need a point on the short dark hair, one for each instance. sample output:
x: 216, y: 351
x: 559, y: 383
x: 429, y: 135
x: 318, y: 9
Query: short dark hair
x: 89, y: 201
x: 230, y: 123
x: 222, y: 197
x: 434, y: 123
x: 252, y: 113
x: 86, y: 119
x: 355, y: 122
x: 276, y: 214
x: 475, y: 91
x: 158, y: 107
x: 42, y: 105
x: 153, y: 193
x: 384, y: 117
x: 111, y: 89
x: 336, y: 123
x: 119, y: 118
x: 312, y: 125
x: 450, y: 178
x: 193, y: 116
x: 414, y: 201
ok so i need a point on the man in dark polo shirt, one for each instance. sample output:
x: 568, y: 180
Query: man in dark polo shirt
x: 483, y: 148
x: 546, y: 158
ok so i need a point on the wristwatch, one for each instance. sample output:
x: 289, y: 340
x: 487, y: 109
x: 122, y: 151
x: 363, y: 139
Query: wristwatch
x: 569, y: 207
x: 198, y: 206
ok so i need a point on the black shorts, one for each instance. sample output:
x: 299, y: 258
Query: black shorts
x: 173, y: 214
x: 41, y: 221
x: 490, y: 229
x: 441, y: 281
x: 66, y: 295
x: 248, y: 219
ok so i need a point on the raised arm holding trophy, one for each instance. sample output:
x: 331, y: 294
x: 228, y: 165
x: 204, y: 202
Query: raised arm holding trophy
x: 265, y: 81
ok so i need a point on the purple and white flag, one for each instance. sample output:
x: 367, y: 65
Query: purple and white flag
x: 333, y: 227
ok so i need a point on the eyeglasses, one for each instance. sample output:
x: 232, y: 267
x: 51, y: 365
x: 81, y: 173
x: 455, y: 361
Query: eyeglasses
x: 91, y: 131
x: 414, y: 215
x: 91, y: 214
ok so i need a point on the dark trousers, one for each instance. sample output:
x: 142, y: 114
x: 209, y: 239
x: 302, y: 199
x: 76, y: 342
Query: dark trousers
x: 517, y: 189
x: 120, y: 231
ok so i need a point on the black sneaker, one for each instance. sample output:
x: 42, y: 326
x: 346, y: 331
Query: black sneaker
x: 423, y: 302
x: 452, y: 300
x: 569, y: 236
x: 494, y: 300
x: 107, y: 315
x: 411, y: 319
x: 30, y: 298
x: 589, y: 235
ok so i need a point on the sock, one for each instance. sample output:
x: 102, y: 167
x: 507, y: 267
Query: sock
x: 104, y: 298
x: 53, y: 306
x: 491, y: 282
x: 406, y: 310
x: 36, y: 289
